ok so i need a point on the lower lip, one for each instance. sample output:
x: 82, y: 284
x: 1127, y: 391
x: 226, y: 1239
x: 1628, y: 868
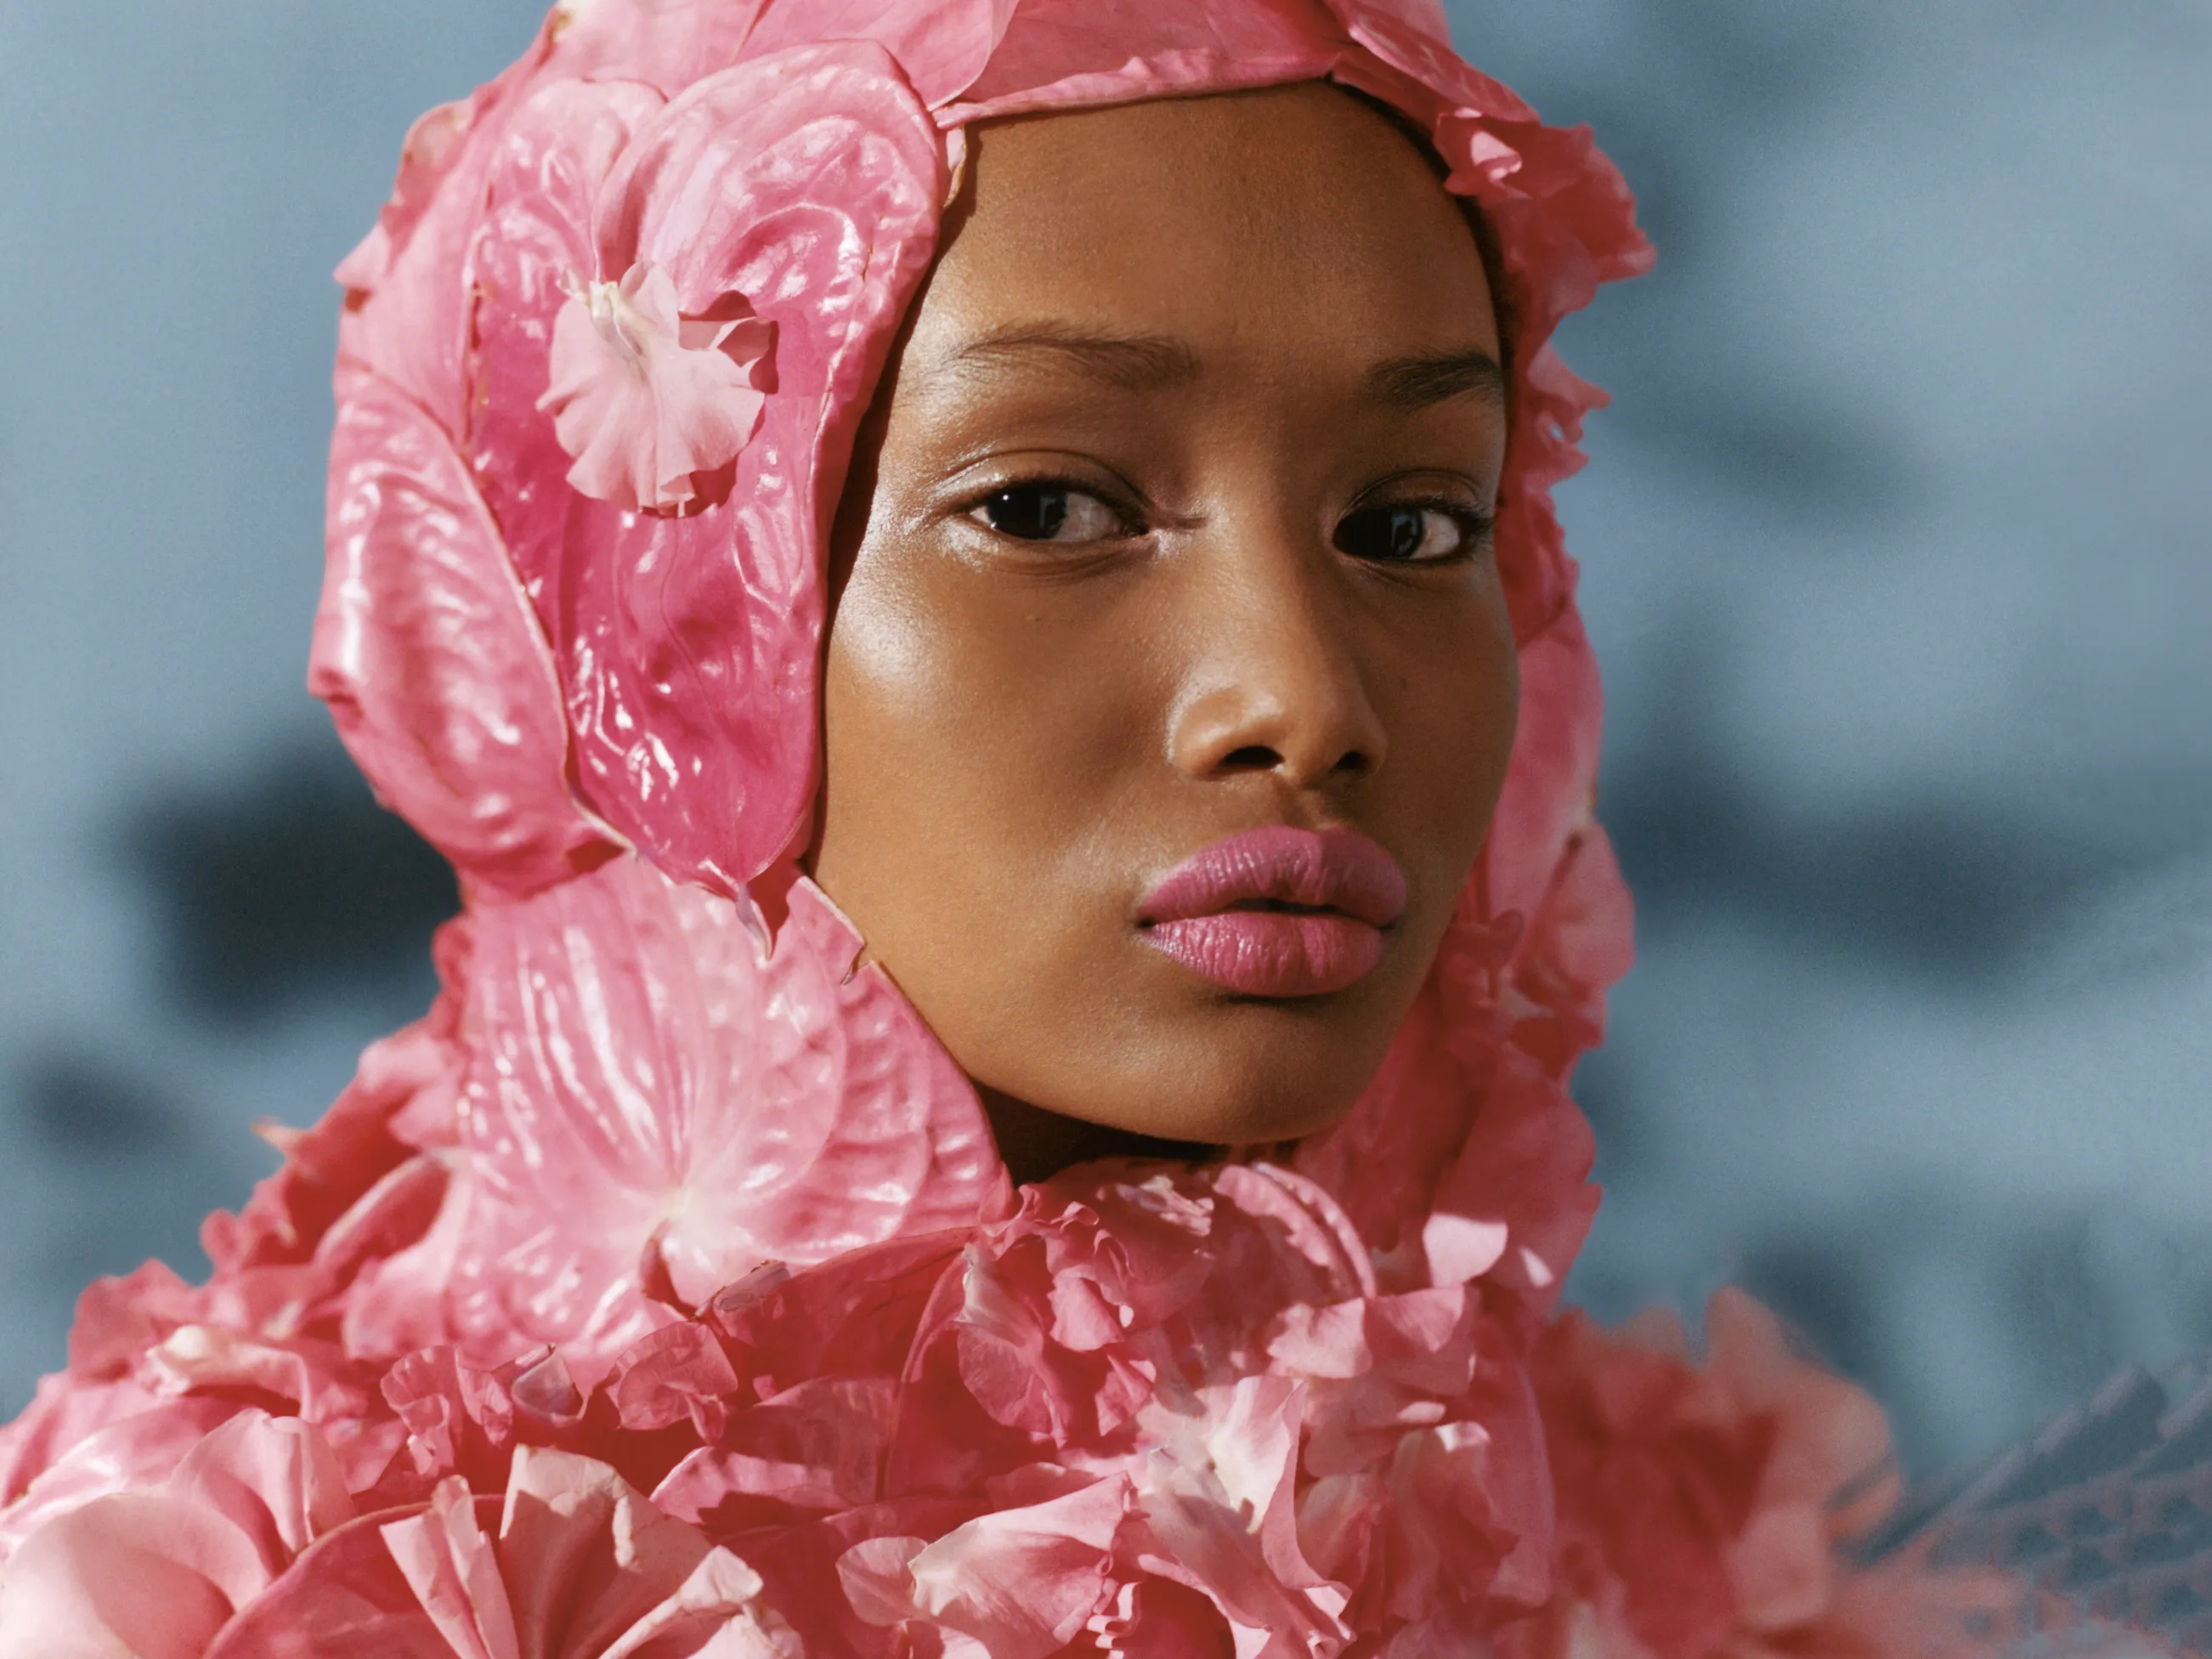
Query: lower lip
x: 1273, y: 953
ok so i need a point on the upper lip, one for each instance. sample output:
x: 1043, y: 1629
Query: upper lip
x: 1334, y: 869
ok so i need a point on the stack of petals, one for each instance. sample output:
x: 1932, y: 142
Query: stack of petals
x: 661, y: 1293
x: 1155, y: 1410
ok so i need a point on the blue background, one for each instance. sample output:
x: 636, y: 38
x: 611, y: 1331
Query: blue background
x: 1895, y: 553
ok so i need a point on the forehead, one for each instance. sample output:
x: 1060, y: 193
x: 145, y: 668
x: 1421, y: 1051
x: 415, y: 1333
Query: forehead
x: 1242, y: 222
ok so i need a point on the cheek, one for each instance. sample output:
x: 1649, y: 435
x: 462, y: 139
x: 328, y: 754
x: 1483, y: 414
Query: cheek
x: 972, y: 750
x: 1455, y: 703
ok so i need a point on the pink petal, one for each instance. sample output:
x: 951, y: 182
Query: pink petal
x: 448, y: 1563
x: 432, y: 664
x: 1020, y: 1584
x: 1059, y: 54
x: 650, y: 404
x: 406, y: 317
x: 345, y: 1598
x: 647, y: 1082
x: 687, y: 646
x: 141, y: 1449
x: 157, y: 1572
x: 941, y: 48
x: 818, y: 1446
x: 1781, y: 1567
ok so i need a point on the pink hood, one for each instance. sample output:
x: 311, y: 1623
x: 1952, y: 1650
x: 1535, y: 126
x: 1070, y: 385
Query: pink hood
x: 589, y: 675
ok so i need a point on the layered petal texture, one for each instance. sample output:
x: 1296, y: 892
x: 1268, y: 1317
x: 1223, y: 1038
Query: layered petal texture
x: 680, y: 303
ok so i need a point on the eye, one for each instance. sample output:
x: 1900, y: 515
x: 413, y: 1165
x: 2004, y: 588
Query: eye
x: 1046, y: 512
x: 1411, y: 533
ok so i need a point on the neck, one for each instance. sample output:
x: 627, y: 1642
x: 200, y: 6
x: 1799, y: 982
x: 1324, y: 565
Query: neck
x: 1037, y: 1145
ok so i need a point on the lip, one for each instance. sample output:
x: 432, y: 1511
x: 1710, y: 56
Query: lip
x: 1279, y: 912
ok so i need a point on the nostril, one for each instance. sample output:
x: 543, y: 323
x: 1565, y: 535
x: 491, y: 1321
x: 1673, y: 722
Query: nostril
x: 1252, y: 757
x: 1354, y: 763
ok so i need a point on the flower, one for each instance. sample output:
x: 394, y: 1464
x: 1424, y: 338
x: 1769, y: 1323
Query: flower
x: 1703, y: 1510
x: 656, y: 1103
x: 164, y: 1569
x: 655, y: 405
x: 253, y: 1547
x: 1019, y: 1582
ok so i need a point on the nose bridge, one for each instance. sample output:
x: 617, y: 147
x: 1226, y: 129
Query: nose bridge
x: 1277, y: 683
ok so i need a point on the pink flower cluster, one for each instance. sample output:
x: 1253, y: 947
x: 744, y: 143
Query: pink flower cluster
x: 1704, y: 1509
x: 1155, y: 1411
x: 661, y: 1293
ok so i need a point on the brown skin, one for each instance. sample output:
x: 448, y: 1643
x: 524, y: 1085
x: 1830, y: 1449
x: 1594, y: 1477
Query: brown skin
x: 1169, y: 522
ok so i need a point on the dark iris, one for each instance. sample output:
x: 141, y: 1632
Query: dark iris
x: 1030, y: 512
x: 1382, y: 533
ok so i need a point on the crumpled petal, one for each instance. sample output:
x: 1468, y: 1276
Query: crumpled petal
x: 1217, y: 1493
x: 1018, y: 1584
x: 1704, y: 1509
x: 651, y: 404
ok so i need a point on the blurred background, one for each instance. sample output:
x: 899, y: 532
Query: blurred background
x: 1895, y: 550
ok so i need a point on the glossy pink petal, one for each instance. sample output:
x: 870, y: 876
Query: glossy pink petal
x: 941, y: 48
x: 1422, y: 18
x: 427, y: 654
x: 1068, y: 53
x: 407, y: 301
x: 663, y: 46
x: 806, y: 185
x: 655, y: 1107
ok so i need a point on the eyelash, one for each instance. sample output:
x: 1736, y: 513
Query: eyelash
x: 1476, y: 524
x: 1132, y: 525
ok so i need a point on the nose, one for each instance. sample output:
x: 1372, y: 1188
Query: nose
x: 1276, y: 686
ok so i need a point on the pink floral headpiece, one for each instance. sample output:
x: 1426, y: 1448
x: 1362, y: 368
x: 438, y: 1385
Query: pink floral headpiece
x: 638, y: 292
x: 662, y: 1291
x: 602, y: 363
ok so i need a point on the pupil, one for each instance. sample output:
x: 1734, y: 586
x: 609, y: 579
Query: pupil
x: 1034, y: 513
x: 1405, y: 535
x: 1382, y: 533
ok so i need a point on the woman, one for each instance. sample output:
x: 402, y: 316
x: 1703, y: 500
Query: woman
x: 971, y: 591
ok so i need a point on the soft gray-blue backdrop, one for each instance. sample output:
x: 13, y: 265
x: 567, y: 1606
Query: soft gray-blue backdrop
x: 1895, y: 546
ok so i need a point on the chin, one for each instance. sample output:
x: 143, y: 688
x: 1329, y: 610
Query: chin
x: 1224, y: 1098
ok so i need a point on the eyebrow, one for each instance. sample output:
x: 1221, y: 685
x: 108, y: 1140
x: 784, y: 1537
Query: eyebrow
x: 1427, y: 378
x: 1146, y: 362
x: 1132, y: 363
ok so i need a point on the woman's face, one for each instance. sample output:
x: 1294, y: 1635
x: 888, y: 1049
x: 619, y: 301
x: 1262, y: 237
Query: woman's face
x: 1171, y: 525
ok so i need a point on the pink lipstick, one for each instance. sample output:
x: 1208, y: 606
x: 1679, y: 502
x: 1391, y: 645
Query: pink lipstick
x: 1277, y: 912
